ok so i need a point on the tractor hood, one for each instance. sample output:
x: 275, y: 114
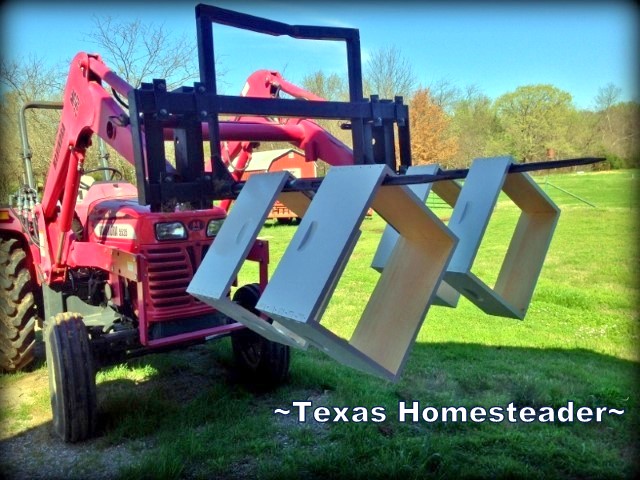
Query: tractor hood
x: 121, y: 221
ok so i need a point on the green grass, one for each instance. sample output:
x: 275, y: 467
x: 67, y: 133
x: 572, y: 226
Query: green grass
x: 186, y: 414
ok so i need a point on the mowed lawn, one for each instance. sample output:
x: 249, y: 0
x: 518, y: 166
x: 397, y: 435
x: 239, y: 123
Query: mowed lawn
x: 186, y: 414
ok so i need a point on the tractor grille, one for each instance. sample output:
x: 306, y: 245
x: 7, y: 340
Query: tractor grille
x: 169, y: 271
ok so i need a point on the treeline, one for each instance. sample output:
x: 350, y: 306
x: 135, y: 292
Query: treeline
x: 450, y: 124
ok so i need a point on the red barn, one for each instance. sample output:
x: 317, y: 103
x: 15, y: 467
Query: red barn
x: 288, y: 159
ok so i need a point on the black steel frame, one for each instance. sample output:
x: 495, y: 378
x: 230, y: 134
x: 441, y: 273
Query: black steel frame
x: 373, y: 122
x: 152, y: 109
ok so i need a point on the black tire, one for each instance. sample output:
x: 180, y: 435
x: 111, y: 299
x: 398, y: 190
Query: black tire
x: 261, y: 361
x: 72, y: 377
x: 18, y: 312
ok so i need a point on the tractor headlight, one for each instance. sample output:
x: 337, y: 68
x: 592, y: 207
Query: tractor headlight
x: 170, y: 231
x: 213, y: 227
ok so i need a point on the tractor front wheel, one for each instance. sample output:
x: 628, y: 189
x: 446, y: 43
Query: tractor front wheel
x: 263, y: 362
x: 72, y: 377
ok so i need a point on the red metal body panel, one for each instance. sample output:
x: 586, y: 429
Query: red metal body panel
x: 115, y: 222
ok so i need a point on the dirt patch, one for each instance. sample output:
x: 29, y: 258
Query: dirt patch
x: 21, y: 389
x: 30, y: 450
x: 37, y: 454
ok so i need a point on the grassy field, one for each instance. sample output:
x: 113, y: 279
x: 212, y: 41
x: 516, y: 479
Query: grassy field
x: 186, y: 414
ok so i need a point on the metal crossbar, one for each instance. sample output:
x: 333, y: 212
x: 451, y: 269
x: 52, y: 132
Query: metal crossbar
x: 312, y: 184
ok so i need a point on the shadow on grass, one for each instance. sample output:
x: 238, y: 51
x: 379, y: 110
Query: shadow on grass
x: 192, y: 415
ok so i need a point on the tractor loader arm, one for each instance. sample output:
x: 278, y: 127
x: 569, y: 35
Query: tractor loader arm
x: 87, y: 109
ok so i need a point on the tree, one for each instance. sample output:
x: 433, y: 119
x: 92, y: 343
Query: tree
x: 616, y: 127
x: 445, y: 94
x: 430, y: 138
x: 389, y: 73
x: 606, y: 99
x: 618, y: 132
x: 607, y: 96
x: 475, y: 126
x: 329, y: 87
x: 140, y: 51
x: 10, y: 145
x: 30, y: 80
x: 534, y: 118
x: 583, y: 134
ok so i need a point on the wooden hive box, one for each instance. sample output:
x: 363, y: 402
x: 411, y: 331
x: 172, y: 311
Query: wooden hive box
x: 449, y: 191
x: 473, y: 206
x: 521, y: 267
x: 303, y: 283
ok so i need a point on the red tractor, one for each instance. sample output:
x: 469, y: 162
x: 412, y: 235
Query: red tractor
x: 103, y: 266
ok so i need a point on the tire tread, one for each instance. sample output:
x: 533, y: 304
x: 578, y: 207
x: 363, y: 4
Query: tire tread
x: 71, y: 377
x: 18, y: 313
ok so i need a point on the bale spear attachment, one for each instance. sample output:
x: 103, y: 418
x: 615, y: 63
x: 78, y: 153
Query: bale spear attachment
x: 421, y: 260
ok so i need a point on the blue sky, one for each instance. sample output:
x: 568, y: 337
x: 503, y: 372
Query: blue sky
x: 576, y: 46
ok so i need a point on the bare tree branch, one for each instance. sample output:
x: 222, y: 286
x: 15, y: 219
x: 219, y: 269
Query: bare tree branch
x: 140, y: 52
x: 389, y: 73
x: 444, y: 93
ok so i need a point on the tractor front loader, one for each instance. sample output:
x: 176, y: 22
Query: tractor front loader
x: 110, y: 269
